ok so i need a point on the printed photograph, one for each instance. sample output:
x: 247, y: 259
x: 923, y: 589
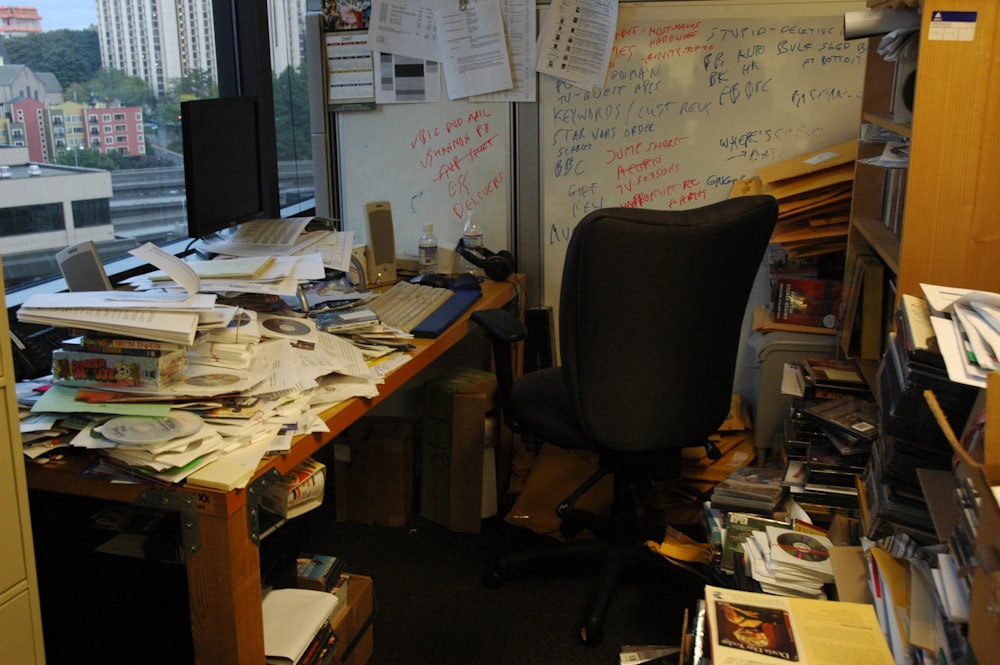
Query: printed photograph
x: 339, y: 15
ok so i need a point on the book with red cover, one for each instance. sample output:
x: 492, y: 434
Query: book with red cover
x: 806, y: 302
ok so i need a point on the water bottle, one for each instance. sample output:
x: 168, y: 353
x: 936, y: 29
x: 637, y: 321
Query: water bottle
x: 472, y: 238
x: 428, y: 250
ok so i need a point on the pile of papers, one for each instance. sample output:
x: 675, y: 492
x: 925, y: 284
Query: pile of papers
x: 251, y: 382
x: 814, y: 199
x: 967, y: 325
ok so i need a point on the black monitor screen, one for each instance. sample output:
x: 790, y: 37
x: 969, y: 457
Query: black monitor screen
x: 222, y: 171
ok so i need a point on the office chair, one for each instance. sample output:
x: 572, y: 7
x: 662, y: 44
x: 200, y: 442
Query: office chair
x: 650, y: 316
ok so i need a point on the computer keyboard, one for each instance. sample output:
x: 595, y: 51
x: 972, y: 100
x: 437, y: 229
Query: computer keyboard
x: 404, y: 305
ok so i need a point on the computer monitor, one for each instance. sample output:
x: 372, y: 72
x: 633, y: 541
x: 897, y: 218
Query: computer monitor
x: 223, y: 175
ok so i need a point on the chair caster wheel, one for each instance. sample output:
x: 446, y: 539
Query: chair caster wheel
x: 493, y: 579
x: 591, y: 635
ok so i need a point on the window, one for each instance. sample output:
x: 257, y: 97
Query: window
x: 90, y: 213
x: 145, y: 197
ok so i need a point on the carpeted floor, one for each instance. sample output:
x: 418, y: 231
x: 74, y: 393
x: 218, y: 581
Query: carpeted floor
x: 430, y: 605
x: 432, y: 608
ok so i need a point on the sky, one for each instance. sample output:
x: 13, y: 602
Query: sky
x: 59, y: 14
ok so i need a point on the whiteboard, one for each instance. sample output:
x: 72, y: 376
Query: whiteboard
x: 432, y: 162
x: 698, y: 95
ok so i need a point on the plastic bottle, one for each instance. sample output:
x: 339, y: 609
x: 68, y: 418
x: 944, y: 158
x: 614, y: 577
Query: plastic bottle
x: 428, y: 250
x: 472, y: 238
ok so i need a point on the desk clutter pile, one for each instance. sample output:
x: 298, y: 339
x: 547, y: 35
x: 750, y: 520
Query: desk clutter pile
x: 876, y: 499
x: 202, y: 370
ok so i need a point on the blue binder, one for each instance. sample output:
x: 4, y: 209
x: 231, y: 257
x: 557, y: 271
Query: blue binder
x: 446, y: 314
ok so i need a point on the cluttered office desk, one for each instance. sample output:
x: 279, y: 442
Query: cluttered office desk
x: 220, y: 527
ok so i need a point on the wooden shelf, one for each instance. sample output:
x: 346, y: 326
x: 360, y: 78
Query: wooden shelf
x: 884, y: 242
x: 885, y: 121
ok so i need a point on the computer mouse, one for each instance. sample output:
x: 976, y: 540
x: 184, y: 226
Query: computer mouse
x: 434, y: 279
x: 465, y: 282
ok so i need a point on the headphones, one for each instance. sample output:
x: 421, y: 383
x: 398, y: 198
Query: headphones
x: 498, y: 266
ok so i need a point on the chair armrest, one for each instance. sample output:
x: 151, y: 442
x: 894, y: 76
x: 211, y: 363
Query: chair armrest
x: 503, y: 330
x: 500, y: 325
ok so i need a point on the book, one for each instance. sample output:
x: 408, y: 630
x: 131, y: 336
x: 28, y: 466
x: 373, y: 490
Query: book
x: 916, y: 332
x: 292, y: 620
x: 317, y: 571
x: 298, y: 491
x: 849, y: 302
x: 808, y: 302
x: 872, y: 307
x: 121, y: 345
x: 748, y: 628
x: 114, y: 370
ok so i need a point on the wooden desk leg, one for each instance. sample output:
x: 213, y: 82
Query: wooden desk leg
x: 225, y: 594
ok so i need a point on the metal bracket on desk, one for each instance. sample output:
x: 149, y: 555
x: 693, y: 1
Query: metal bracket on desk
x: 183, y: 503
x: 256, y: 490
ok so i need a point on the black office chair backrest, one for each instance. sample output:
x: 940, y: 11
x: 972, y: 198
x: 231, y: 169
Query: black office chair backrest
x: 651, y: 312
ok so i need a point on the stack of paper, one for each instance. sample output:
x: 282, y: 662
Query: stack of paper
x: 292, y: 619
x: 967, y: 325
x: 269, y: 275
x: 253, y: 381
x: 814, y: 198
x: 786, y: 562
x: 165, y: 317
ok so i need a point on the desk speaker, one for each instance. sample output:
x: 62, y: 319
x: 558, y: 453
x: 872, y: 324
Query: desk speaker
x: 82, y: 268
x: 381, y: 251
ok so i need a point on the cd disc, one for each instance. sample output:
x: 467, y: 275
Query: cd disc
x: 286, y: 326
x: 240, y: 320
x: 212, y: 380
x: 150, y: 429
x: 802, y: 546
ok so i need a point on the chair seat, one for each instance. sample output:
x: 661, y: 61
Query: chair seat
x: 542, y: 406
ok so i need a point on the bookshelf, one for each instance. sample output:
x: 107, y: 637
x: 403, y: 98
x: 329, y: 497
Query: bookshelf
x: 948, y: 234
x: 20, y: 613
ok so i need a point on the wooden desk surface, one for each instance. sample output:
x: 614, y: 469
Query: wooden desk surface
x: 224, y: 573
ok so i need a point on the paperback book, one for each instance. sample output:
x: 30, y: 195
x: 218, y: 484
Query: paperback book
x: 748, y: 628
x: 114, y: 370
x: 806, y: 302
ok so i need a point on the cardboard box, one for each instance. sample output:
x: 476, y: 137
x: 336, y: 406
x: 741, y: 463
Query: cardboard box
x: 373, y: 471
x: 353, y: 624
x: 452, y: 449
